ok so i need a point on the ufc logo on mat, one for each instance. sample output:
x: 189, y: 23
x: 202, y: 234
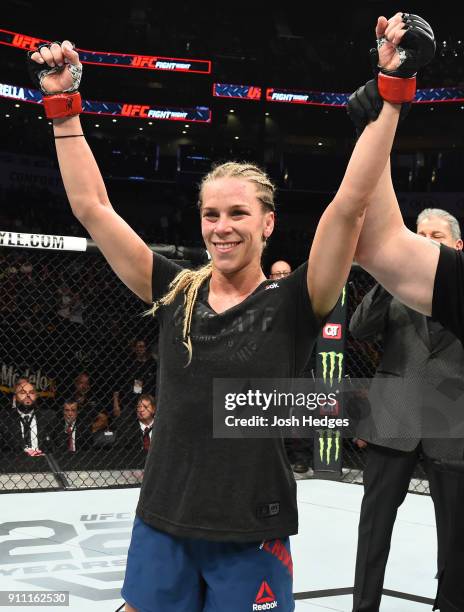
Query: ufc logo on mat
x: 332, y: 331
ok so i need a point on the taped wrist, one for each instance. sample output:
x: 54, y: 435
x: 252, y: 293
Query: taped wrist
x: 62, y: 105
x: 396, y: 90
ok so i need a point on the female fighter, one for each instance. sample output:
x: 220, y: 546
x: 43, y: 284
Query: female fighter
x: 214, y: 515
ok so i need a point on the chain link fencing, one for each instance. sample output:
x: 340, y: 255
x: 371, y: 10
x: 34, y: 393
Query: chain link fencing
x: 73, y: 340
x: 78, y: 336
x: 361, y: 361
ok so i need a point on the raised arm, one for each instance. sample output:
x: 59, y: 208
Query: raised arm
x: 341, y: 223
x: 125, y: 251
x: 401, y: 261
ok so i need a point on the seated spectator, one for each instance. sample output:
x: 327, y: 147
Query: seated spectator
x: 70, y: 305
x: 138, y: 375
x: 25, y: 425
x: 136, y: 433
x: 88, y: 404
x: 280, y: 269
x: 74, y: 430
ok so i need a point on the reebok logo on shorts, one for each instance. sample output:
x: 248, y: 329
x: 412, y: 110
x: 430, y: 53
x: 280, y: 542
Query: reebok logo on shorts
x: 265, y: 599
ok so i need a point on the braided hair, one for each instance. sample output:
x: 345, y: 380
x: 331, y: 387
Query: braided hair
x: 189, y: 282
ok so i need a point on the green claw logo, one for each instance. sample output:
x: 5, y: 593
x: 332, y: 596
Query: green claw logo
x: 331, y: 360
x: 330, y: 437
x: 343, y: 296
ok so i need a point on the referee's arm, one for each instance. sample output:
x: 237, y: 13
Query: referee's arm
x: 401, y: 261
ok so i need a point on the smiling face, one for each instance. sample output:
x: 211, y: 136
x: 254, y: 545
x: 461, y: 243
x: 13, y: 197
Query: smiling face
x: 234, y: 223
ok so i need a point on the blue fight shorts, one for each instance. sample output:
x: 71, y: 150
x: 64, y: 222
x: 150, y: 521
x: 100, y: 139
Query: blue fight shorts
x: 169, y: 574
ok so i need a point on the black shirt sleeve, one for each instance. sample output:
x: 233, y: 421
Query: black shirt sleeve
x: 164, y: 271
x: 448, y: 291
x: 307, y: 325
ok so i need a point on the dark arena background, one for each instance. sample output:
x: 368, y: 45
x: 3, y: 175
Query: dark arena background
x: 170, y: 88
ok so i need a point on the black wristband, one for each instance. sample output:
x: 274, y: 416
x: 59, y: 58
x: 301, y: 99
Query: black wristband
x: 69, y: 136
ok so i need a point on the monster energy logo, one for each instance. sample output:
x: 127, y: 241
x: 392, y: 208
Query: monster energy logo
x: 331, y: 361
x: 343, y: 296
x: 329, y: 441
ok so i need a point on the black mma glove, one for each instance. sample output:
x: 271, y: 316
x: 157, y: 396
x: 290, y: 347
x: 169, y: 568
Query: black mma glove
x: 57, y: 104
x: 38, y: 72
x: 416, y: 50
x: 365, y: 104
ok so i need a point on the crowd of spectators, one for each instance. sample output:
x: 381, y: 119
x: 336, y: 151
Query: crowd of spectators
x: 75, y: 354
x: 80, y: 423
x: 165, y: 212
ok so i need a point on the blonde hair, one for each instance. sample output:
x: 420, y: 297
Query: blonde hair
x: 249, y: 172
x: 190, y: 281
x: 442, y: 214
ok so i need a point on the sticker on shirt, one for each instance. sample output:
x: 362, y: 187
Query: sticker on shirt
x: 138, y: 386
x: 332, y: 331
x: 268, y: 510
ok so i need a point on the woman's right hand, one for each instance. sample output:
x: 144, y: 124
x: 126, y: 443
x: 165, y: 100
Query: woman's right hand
x: 60, y: 58
x: 391, y: 32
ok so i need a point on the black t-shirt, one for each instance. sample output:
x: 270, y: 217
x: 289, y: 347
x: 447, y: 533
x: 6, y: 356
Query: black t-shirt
x: 203, y: 487
x: 448, y: 291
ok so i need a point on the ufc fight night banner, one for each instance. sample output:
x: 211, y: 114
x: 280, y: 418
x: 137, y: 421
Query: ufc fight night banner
x: 198, y: 114
x: 113, y: 59
x: 330, y: 368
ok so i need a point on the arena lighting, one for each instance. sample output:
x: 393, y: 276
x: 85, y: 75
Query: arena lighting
x: 198, y: 114
x: 113, y: 59
x: 243, y: 92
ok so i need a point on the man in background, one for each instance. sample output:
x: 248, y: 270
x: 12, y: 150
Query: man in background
x: 415, y: 348
x: 24, y: 424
